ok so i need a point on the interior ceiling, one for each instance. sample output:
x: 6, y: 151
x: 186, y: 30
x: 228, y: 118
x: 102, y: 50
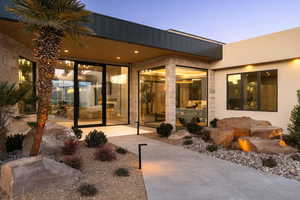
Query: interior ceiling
x: 95, y: 48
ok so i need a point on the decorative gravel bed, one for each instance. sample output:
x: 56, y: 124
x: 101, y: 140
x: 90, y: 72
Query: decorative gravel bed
x: 100, y: 174
x: 286, y: 166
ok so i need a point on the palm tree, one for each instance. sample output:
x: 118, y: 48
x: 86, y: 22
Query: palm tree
x: 49, y: 21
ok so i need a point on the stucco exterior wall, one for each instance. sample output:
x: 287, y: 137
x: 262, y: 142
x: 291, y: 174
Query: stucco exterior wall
x: 10, y: 51
x: 288, y: 84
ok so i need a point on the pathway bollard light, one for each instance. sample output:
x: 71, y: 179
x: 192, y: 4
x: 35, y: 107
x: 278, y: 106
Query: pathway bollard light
x: 140, y: 155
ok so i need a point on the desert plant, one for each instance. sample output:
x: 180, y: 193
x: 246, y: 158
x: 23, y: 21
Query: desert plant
x: 50, y: 22
x: 122, y: 172
x: 187, y: 142
x: 9, y: 96
x: 14, y: 142
x: 95, y: 138
x: 78, y: 132
x: 70, y: 146
x: 213, y: 123
x: 194, y: 128
x: 164, y: 130
x: 87, y: 190
x: 212, y: 148
x: 121, y: 150
x: 73, y: 161
x: 269, y: 162
x: 105, y: 153
x: 293, y: 138
x: 295, y: 157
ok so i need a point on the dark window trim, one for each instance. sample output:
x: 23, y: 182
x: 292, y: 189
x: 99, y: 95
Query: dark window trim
x: 258, y: 89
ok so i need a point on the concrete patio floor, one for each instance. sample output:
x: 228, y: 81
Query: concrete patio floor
x: 173, y: 173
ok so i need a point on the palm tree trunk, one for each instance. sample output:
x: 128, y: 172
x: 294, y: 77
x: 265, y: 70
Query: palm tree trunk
x: 47, y: 45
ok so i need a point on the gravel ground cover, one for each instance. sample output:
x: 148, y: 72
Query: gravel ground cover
x: 286, y: 166
x: 101, y: 174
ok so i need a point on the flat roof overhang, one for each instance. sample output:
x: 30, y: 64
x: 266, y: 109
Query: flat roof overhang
x: 119, y: 38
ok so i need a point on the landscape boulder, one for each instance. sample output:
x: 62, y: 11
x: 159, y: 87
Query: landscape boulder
x: 268, y: 132
x: 35, y: 173
x: 52, y: 141
x: 179, y: 135
x: 222, y: 137
x: 256, y: 144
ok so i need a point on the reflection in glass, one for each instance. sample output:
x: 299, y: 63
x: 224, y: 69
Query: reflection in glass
x: 26, y: 80
x: 62, y: 99
x: 152, y: 96
x: 268, y: 91
x: 116, y: 95
x: 250, y: 91
x: 191, y: 96
x: 234, y: 92
x: 90, y: 94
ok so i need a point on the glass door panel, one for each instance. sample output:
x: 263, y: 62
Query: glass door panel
x: 90, y: 85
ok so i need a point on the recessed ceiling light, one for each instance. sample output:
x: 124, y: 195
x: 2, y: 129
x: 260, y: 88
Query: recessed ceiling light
x: 118, y: 58
x: 136, y: 52
x: 66, y: 51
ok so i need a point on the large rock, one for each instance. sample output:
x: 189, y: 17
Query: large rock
x: 257, y: 144
x: 35, y: 173
x: 179, y: 135
x: 222, y: 137
x: 53, y: 139
x: 241, y: 123
x: 266, y: 132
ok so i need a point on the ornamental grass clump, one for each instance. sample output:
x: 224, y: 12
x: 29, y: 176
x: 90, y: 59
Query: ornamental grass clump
x: 121, y: 150
x: 95, y: 139
x: 269, y: 162
x: 212, y: 148
x: 123, y: 172
x: 164, y: 130
x: 87, y: 190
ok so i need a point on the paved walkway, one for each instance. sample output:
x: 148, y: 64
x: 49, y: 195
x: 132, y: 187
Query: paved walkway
x: 173, y: 173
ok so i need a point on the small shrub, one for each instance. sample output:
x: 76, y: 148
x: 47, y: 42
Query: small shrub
x: 182, y: 121
x: 292, y: 140
x: 87, y: 190
x: 205, y: 136
x: 212, y: 148
x: 70, y: 146
x: 121, y: 150
x: 213, y: 123
x: 32, y: 124
x: 122, y: 172
x: 194, y: 128
x: 14, y: 142
x: 73, y: 161
x: 164, y: 130
x: 105, y: 153
x: 269, y: 162
x: 295, y: 157
x: 95, y: 138
x: 187, y: 142
x: 77, y: 132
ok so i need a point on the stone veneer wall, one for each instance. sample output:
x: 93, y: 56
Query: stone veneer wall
x: 10, y: 51
x: 170, y: 63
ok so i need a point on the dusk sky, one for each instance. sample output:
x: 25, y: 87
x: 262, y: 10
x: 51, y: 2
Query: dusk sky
x: 223, y: 20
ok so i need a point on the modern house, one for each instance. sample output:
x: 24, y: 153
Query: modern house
x: 129, y: 72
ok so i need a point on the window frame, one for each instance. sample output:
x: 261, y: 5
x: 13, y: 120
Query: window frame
x: 258, y: 95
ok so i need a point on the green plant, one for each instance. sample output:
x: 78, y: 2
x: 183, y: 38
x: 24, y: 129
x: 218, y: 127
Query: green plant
x: 122, y: 172
x: 293, y: 138
x: 295, y: 157
x: 213, y: 123
x: 164, y: 129
x: 105, y: 153
x: 73, y: 161
x: 14, y: 142
x: 194, y: 128
x: 95, y: 138
x: 269, y: 162
x: 212, y: 148
x: 87, y: 190
x: 187, y: 137
x: 121, y: 150
x: 32, y: 124
x: 70, y: 146
x: 187, y: 142
x: 77, y: 132
x: 50, y: 22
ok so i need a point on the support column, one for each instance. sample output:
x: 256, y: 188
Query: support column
x: 171, y: 93
x: 211, y: 95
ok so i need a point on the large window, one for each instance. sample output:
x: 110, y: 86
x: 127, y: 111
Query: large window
x: 256, y: 91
